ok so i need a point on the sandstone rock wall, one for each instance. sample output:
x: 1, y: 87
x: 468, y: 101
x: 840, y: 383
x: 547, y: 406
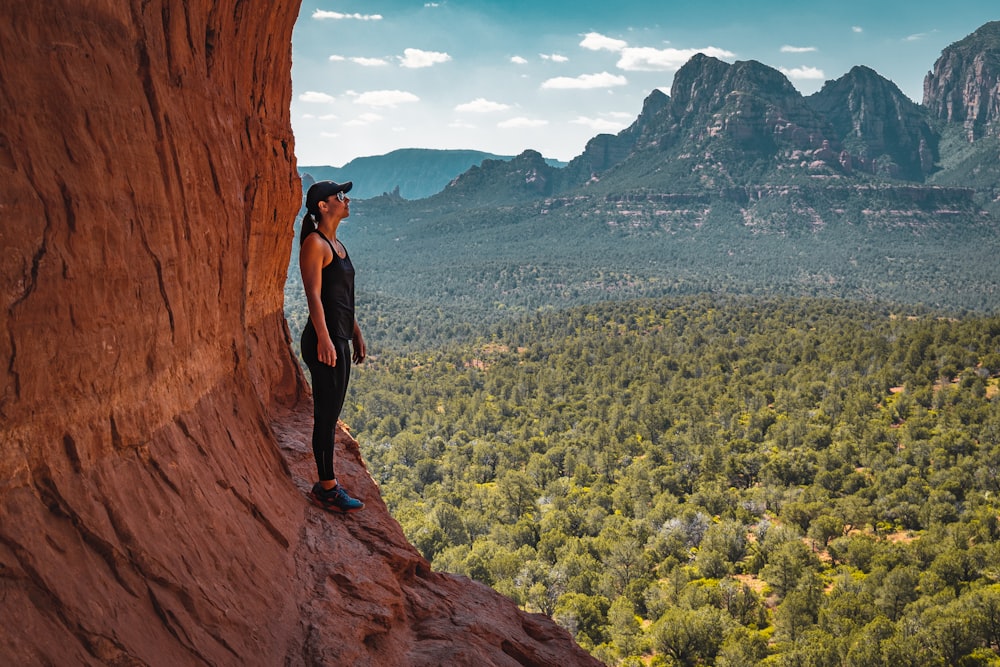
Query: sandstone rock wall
x: 148, y: 181
x: 147, y: 512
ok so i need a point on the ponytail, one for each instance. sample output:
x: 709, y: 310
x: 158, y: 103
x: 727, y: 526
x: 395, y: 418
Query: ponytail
x: 309, y: 225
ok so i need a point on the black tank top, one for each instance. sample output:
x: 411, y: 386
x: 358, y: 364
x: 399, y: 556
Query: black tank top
x: 337, y: 293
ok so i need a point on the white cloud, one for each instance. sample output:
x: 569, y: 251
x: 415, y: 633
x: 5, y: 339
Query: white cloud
x: 798, y: 49
x: 857, y: 29
x: 313, y: 96
x: 522, y: 123
x: 585, y: 81
x: 918, y: 36
x: 556, y: 58
x: 648, y: 59
x: 370, y: 62
x: 385, y: 98
x: 518, y: 60
x: 321, y: 15
x: 594, y: 41
x: 431, y: 4
x: 800, y: 73
x: 482, y: 105
x: 415, y: 58
x: 599, y: 124
x: 364, y: 119
x: 337, y: 59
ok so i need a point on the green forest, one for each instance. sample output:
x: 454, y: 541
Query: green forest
x: 708, y: 480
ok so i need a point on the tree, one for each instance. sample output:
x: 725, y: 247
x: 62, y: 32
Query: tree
x: 689, y: 636
x: 857, y: 550
x: 585, y: 616
x: 625, y: 630
x: 742, y: 603
x: 798, y: 611
x: 728, y: 537
x: 987, y: 603
x: 623, y: 555
x: 824, y: 528
x: 742, y: 647
x: 898, y: 589
x: 866, y: 646
x: 786, y: 565
x: 950, y: 632
x: 449, y: 520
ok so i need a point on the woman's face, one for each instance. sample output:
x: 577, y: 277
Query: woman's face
x: 338, y: 205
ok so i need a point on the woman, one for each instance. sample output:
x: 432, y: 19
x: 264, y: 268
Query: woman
x: 328, y: 279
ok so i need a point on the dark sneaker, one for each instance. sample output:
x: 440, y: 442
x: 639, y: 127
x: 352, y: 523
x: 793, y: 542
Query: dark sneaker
x: 334, y: 499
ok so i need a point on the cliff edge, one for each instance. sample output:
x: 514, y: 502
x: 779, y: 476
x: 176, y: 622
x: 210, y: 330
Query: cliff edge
x: 152, y: 417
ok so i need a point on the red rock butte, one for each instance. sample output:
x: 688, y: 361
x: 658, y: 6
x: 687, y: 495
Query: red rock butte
x: 154, y: 424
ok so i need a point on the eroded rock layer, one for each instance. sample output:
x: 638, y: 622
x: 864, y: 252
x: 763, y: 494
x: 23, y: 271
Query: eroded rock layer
x: 148, y: 180
x: 147, y: 514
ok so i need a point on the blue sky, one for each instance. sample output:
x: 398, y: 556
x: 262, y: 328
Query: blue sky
x: 369, y: 77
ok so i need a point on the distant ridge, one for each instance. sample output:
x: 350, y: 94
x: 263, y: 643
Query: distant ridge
x: 416, y: 172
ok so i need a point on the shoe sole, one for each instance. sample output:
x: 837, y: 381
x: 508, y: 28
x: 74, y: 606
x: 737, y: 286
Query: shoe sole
x: 331, y: 508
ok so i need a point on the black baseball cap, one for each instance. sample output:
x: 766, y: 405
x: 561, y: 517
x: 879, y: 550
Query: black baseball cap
x: 320, y: 190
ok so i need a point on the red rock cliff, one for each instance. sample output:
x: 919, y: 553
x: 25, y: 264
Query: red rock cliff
x: 152, y: 418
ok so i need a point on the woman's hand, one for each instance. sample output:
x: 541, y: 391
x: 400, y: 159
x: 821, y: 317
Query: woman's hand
x: 326, y: 352
x: 360, y: 351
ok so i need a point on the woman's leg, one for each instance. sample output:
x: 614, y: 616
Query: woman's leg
x: 329, y: 392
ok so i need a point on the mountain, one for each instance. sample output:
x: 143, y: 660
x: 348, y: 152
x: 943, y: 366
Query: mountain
x: 880, y: 129
x: 728, y: 126
x: 413, y: 173
x: 501, y: 182
x: 962, y: 93
x: 733, y: 182
x: 964, y: 86
x: 747, y: 103
x: 606, y: 150
x: 725, y: 127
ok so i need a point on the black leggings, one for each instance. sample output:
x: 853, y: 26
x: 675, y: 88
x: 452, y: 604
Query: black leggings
x: 329, y: 384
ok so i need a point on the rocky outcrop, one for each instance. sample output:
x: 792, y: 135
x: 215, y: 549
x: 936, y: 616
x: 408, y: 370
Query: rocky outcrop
x: 501, y: 182
x: 747, y: 102
x: 964, y: 86
x: 373, y: 599
x: 151, y: 412
x: 717, y: 112
x: 881, y: 130
x: 606, y: 150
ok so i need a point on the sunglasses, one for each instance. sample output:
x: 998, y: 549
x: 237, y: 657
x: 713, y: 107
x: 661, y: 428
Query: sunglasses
x: 340, y: 196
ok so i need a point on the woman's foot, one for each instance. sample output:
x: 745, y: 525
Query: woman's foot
x: 334, y: 499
